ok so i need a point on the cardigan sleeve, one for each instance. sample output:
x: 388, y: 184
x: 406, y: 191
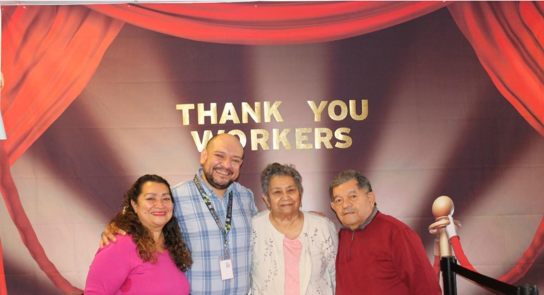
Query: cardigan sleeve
x: 111, y: 267
x: 331, y: 252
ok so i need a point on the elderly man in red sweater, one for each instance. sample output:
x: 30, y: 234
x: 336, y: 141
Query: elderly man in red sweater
x: 377, y: 253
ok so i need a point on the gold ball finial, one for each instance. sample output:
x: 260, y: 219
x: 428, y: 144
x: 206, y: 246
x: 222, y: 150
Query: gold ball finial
x: 443, y: 206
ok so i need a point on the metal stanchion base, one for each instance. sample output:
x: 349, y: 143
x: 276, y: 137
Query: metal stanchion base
x: 528, y: 290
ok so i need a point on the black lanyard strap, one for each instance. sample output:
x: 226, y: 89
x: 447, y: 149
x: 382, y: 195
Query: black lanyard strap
x: 225, y: 230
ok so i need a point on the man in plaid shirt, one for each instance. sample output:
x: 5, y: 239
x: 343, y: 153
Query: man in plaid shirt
x: 220, y: 161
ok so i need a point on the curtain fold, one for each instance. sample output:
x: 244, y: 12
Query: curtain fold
x: 268, y: 23
x: 508, y: 39
x: 49, y: 54
x: 26, y: 231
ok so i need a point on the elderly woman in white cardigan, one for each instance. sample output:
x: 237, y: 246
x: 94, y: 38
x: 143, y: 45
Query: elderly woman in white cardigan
x: 293, y: 252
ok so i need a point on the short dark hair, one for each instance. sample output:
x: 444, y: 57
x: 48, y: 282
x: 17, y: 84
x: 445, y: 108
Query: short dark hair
x: 277, y: 169
x: 345, y: 176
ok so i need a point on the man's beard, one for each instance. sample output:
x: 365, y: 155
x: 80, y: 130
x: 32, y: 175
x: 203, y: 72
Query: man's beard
x: 211, y: 181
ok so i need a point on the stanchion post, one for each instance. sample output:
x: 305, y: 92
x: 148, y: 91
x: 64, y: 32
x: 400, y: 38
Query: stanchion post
x: 443, y: 208
x: 448, y: 276
x: 445, y: 247
x: 445, y: 228
x: 528, y: 290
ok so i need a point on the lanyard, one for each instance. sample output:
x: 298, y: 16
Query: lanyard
x: 225, y: 230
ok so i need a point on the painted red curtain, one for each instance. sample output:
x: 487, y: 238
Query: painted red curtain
x: 269, y: 23
x: 508, y: 38
x: 49, y: 54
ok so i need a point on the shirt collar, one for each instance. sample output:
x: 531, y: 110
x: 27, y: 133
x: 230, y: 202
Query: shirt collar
x: 367, y: 221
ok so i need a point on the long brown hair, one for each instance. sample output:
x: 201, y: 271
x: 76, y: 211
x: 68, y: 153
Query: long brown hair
x: 128, y: 221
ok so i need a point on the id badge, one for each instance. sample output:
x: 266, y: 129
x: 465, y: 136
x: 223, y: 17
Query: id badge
x: 226, y: 269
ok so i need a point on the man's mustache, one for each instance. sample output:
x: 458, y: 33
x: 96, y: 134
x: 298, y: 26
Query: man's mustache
x: 349, y: 210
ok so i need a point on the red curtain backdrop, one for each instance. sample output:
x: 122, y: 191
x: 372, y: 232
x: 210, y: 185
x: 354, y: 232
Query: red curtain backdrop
x: 508, y: 39
x: 49, y: 54
x: 269, y: 23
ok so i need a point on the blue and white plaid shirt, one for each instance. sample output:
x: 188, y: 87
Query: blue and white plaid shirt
x: 205, y: 240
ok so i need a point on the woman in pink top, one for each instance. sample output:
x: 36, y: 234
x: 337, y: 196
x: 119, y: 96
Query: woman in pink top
x: 292, y: 251
x: 152, y: 258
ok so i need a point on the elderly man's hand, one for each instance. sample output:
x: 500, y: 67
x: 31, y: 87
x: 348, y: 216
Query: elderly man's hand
x: 109, y: 235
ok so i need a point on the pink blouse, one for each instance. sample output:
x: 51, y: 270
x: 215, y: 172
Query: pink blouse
x: 291, y: 253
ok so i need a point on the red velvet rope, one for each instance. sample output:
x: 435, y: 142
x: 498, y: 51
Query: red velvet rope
x: 523, y: 264
x: 460, y: 254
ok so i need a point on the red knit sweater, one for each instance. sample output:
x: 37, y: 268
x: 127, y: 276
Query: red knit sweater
x: 384, y: 258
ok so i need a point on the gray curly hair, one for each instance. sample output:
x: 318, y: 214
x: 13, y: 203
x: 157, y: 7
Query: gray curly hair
x: 277, y: 169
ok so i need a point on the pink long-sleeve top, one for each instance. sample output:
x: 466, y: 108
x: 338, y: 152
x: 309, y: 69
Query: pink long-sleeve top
x: 117, y: 269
